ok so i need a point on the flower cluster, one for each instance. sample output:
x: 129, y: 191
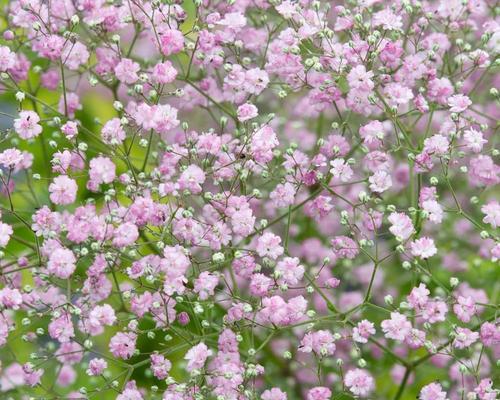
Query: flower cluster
x: 235, y: 199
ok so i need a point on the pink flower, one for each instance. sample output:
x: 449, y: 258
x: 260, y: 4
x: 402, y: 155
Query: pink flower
x: 432, y: 391
x: 102, y: 170
x: 7, y: 59
x: 402, y: 227
x: 464, y: 338
x: 192, y: 179
x: 69, y: 104
x: 397, y: 328
x: 319, y: 393
x: 264, y: 140
x: 492, y: 213
x: 372, y: 133
x: 197, y: 356
x: 290, y: 271
x: 205, y: 285
x: 50, y: 79
x: 256, y: 80
x: 27, y: 126
x: 439, y: 90
x: 112, y: 132
x: 387, y: 19
x: 11, y: 158
x: 437, y: 145
x: 51, y: 47
x: 273, y: 394
x: 434, y: 311
x: 171, y: 41
x: 268, y: 245
x: 75, y: 55
x: 341, y: 170
x: 62, y: 263
x: 122, y: 344
x: 10, y: 298
x: 344, y: 247
x: 283, y: 195
x: 126, y: 71
x: 96, y: 367
x: 32, y: 376
x: 67, y: 376
x: 363, y: 331
x: 247, y: 111
x: 484, y: 171
x: 397, y: 94
x: 5, y: 234
x: 474, y: 140
x: 63, y: 190
x: 423, y: 247
x: 260, y: 284
x: 125, y: 235
x: 465, y: 308
x: 321, y: 342
x: 61, y: 328
x: 101, y: 316
x: 160, y: 366
x: 458, y: 103
x: 359, y: 78
x: 418, y: 297
x: 164, y: 73
x: 380, y: 181
x: 490, y: 334
x: 70, y: 129
x: 485, y: 390
x: 359, y: 382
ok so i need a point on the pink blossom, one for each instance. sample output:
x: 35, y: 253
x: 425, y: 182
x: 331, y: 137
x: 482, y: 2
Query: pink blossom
x: 491, y: 211
x: 423, y: 248
x: 197, y: 356
x: 464, y: 337
x: 27, y: 126
x: 63, y: 190
x: 363, y: 331
x: 171, y: 41
x: 112, y: 132
x: 246, y: 112
x: 102, y: 170
x: 126, y: 71
x: 7, y: 58
x: 432, y: 391
x: 402, y: 227
x: 123, y: 344
x: 319, y: 393
x: 341, y: 170
x: 6, y: 232
x: 125, y: 235
x: 380, y: 181
x: 359, y: 382
x: 273, y: 394
x: 164, y: 72
x: 397, y: 328
x: 97, y: 366
x: 70, y: 129
x: 459, y: 103
x: 62, y: 263
x: 321, y: 342
x: 268, y: 245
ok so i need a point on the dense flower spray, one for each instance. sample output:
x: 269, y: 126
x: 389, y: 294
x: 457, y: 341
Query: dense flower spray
x: 249, y: 199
